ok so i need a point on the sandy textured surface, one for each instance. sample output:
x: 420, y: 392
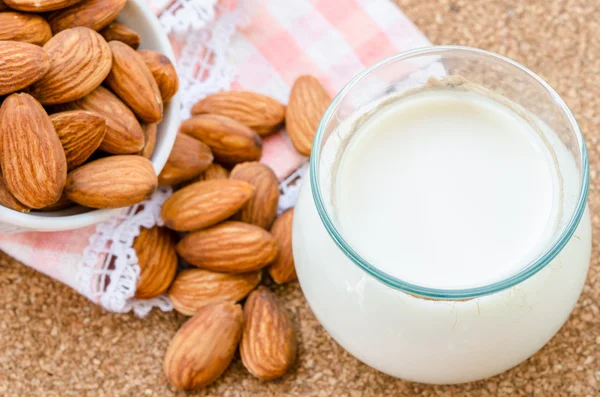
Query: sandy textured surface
x: 54, y: 342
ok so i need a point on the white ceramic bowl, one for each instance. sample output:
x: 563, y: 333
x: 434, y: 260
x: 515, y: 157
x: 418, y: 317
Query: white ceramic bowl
x: 138, y: 16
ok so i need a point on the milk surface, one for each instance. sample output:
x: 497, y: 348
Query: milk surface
x: 446, y: 189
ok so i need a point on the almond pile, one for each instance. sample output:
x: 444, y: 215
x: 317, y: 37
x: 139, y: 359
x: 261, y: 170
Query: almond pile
x: 224, y: 214
x: 79, y: 106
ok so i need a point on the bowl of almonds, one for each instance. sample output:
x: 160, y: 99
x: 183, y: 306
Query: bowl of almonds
x: 89, y: 110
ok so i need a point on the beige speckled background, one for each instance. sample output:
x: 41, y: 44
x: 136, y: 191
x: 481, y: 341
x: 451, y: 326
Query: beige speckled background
x: 54, y: 342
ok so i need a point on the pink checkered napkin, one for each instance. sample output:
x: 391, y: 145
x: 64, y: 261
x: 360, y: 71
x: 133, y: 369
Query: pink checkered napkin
x: 330, y: 39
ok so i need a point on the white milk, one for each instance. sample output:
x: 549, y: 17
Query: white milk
x: 458, y: 200
x: 442, y: 189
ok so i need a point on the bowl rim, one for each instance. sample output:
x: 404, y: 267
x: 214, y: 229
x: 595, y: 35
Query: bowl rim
x: 40, y: 221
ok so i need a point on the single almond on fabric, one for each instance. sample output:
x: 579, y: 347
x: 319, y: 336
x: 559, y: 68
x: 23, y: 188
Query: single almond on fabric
x: 189, y: 158
x: 93, y: 14
x: 163, y: 71
x: 308, y: 102
x: 124, y: 135
x: 8, y: 200
x: 195, y: 288
x: 39, y: 5
x: 150, y: 140
x: 230, y: 141
x: 33, y: 161
x: 62, y: 203
x: 112, y: 182
x: 155, y: 249
x: 204, y: 204
x: 282, y: 270
x: 21, y: 64
x: 231, y: 247
x: 204, y: 346
x: 261, y: 209
x: 132, y: 81
x: 28, y: 28
x: 262, y: 113
x: 80, y: 133
x: 268, y: 347
x: 80, y: 59
x: 118, y: 31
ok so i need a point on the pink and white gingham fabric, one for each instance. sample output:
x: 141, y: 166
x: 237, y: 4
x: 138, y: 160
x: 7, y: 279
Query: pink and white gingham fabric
x: 330, y: 39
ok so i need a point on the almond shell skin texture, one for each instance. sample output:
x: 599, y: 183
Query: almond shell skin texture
x: 28, y: 28
x: 93, y: 14
x: 21, y: 64
x: 80, y: 59
x: 120, y: 32
x: 155, y: 249
x: 188, y: 159
x: 204, y: 346
x: 164, y: 73
x: 283, y: 270
x: 268, y: 347
x: 39, y: 5
x: 33, y: 162
x: 230, y: 247
x: 204, y: 204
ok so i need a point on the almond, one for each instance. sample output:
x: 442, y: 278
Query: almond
x: 93, y: 14
x: 232, y: 247
x: 39, y: 5
x: 132, y: 81
x: 195, y: 288
x: 189, y: 158
x: 112, y: 182
x: 80, y: 59
x: 163, y: 71
x: 150, y: 140
x: 124, y: 135
x: 155, y: 249
x: 230, y: 141
x: 260, y: 112
x: 204, y: 204
x: 3, y: 6
x: 282, y: 270
x: 268, y: 347
x: 80, y: 133
x: 62, y: 203
x: 308, y: 102
x: 120, y: 32
x: 261, y: 209
x: 214, y: 171
x: 204, y: 346
x: 8, y: 200
x: 28, y: 28
x: 33, y: 161
x: 21, y: 64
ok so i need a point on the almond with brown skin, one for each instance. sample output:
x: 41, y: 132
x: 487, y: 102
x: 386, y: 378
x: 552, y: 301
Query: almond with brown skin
x: 163, y: 71
x: 118, y: 31
x: 80, y: 59
x: 62, y: 203
x: 204, y: 346
x: 8, y: 200
x: 195, y: 288
x: 189, y: 158
x: 308, y: 102
x: 204, y: 204
x: 230, y: 141
x: 150, y: 140
x: 231, y: 247
x: 124, y: 135
x: 261, y: 209
x: 21, y: 64
x: 112, y: 182
x: 33, y: 161
x: 28, y: 28
x: 93, y: 14
x: 39, y: 5
x: 132, y: 81
x: 282, y: 270
x: 3, y: 6
x: 214, y: 171
x: 262, y: 113
x: 80, y: 133
x: 155, y: 249
x: 268, y: 347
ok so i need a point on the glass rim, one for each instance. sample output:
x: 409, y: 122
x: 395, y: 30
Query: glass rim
x: 440, y: 293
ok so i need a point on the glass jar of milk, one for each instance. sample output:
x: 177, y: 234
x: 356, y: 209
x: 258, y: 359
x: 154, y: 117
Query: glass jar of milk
x: 443, y: 234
